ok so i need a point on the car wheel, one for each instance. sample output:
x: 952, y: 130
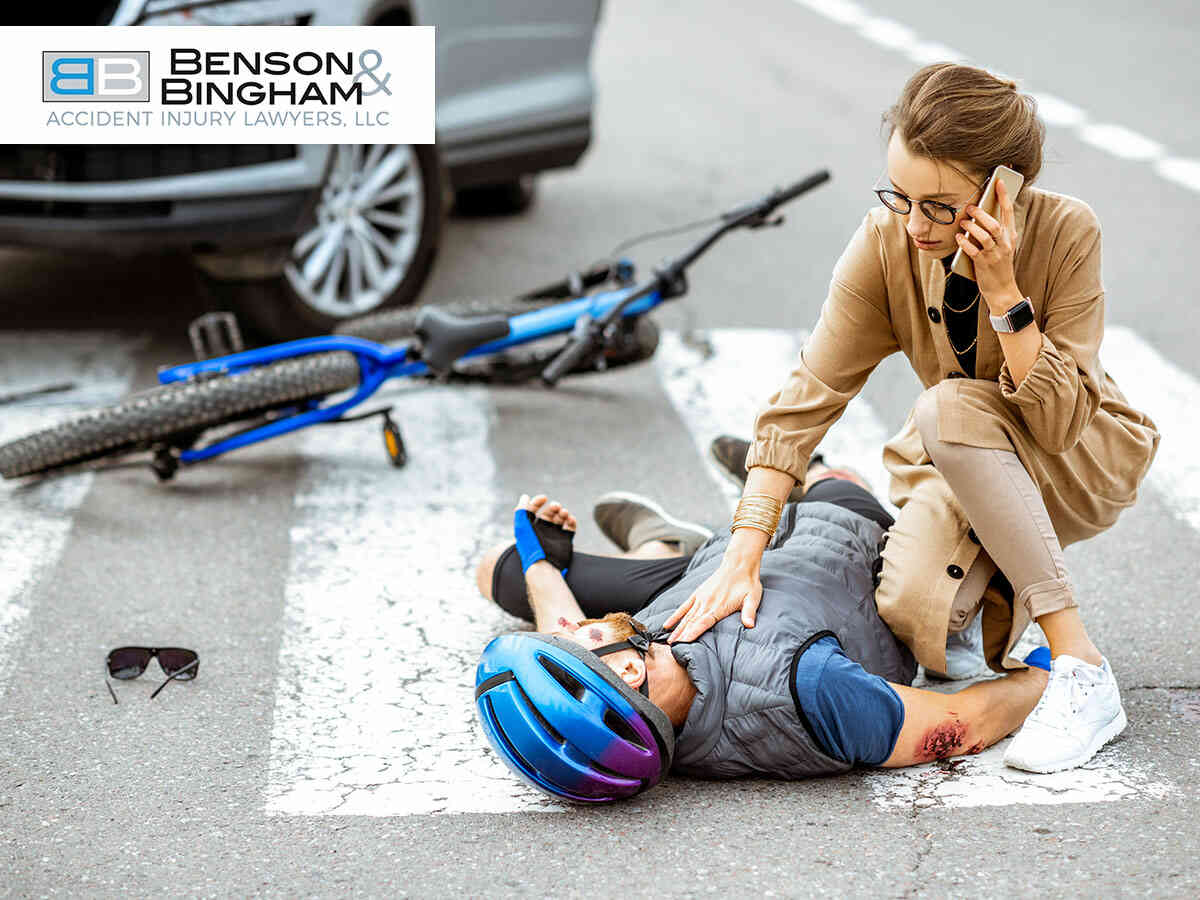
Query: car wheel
x: 502, y: 198
x: 369, y: 245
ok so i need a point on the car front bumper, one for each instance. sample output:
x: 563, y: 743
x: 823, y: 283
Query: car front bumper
x: 141, y: 198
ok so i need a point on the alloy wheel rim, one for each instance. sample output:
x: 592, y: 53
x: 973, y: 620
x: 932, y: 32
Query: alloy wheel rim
x: 369, y: 219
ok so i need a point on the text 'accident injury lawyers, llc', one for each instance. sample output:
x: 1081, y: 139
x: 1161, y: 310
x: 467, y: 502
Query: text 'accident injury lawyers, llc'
x: 217, y: 85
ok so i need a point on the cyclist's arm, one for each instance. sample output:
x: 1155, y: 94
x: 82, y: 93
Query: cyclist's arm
x: 550, y: 598
x: 938, y: 726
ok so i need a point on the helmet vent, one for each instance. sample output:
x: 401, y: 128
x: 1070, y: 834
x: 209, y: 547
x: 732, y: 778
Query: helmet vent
x: 532, y: 707
x: 570, y: 683
x: 622, y: 729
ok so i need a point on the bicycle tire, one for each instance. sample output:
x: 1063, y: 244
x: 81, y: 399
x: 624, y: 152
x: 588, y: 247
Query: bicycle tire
x: 397, y: 324
x: 149, y: 417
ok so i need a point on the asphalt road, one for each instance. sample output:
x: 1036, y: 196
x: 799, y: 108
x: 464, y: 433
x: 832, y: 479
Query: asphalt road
x: 701, y: 106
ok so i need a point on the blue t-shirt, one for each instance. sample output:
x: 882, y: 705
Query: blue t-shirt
x: 855, y: 716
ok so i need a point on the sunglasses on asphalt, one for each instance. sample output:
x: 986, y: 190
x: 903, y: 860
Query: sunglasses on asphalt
x: 125, y: 663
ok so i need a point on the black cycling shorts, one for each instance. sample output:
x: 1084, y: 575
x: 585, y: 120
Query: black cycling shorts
x: 604, y: 584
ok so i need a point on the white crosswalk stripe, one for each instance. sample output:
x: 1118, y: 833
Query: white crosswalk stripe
x: 719, y: 380
x: 1171, y: 397
x: 36, y: 517
x: 374, y: 711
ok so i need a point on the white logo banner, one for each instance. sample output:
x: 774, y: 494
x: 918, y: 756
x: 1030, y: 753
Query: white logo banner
x: 217, y: 85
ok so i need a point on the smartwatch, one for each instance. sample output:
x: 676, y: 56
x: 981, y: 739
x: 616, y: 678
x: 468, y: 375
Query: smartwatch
x: 1015, y: 319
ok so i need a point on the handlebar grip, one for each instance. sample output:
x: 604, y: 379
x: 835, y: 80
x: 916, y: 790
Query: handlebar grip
x: 800, y: 187
x: 572, y: 355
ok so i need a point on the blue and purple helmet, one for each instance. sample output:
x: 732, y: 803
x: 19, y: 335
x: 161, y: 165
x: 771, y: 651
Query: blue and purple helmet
x: 566, y: 723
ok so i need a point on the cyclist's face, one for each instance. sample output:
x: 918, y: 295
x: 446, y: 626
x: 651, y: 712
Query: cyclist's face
x: 921, y: 178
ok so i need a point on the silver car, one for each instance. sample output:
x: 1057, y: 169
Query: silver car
x: 514, y: 97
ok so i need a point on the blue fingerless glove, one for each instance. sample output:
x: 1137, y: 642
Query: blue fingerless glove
x: 529, y: 548
x: 1040, y: 657
x: 538, y: 539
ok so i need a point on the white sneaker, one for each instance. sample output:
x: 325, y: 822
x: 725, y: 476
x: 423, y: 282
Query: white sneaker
x: 1080, y: 711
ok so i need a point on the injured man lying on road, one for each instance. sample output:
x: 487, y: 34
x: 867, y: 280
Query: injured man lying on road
x: 600, y: 703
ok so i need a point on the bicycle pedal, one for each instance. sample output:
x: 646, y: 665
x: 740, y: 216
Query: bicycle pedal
x: 164, y: 463
x: 393, y: 442
x: 215, y: 334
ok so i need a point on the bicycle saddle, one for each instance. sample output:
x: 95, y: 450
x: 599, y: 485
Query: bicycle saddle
x: 445, y: 337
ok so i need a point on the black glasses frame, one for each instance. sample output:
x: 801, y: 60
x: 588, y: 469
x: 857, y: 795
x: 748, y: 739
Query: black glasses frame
x: 902, y: 204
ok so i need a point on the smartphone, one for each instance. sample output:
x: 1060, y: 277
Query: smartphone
x: 1013, y: 180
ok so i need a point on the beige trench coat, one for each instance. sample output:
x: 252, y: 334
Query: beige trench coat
x: 1069, y: 424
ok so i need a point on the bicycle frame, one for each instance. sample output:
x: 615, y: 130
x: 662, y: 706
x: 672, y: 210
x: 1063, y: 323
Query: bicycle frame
x: 378, y: 362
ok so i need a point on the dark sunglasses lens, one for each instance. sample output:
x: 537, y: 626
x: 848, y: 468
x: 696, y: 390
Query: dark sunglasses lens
x: 175, y: 659
x: 128, y: 662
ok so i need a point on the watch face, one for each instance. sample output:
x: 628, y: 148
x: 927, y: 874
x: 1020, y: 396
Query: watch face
x: 1020, y: 315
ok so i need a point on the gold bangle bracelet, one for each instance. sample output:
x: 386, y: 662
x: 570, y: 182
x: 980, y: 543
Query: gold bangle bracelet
x: 759, y: 511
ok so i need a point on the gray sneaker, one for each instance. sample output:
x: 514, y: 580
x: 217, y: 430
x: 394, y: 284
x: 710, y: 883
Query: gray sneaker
x: 630, y: 520
x: 729, y: 453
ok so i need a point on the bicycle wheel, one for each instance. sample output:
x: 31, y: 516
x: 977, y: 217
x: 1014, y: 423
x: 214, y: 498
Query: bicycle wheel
x: 181, y: 409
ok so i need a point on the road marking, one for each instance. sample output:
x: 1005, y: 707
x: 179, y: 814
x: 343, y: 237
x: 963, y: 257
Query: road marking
x: 36, y: 516
x: 719, y: 380
x: 984, y: 780
x: 1121, y: 141
x: 374, y: 710
x: 925, y: 52
x: 1115, y: 139
x: 1056, y: 111
x: 1171, y: 397
x: 1182, y: 171
x: 887, y: 33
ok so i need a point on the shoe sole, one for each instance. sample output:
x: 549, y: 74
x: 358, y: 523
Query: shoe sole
x: 630, y: 497
x: 1107, y: 733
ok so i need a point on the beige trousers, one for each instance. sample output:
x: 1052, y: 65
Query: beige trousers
x: 935, y: 573
x: 1009, y: 517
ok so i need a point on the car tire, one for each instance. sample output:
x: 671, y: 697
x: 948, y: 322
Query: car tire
x: 500, y: 199
x: 380, y: 201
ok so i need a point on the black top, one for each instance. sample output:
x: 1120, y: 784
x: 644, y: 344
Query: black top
x: 962, y: 327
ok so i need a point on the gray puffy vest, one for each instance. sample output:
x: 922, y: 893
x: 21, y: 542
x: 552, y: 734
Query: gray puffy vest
x: 817, y: 580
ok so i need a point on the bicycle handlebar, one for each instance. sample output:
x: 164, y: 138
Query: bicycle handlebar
x: 752, y: 215
x: 800, y: 187
x: 576, y: 351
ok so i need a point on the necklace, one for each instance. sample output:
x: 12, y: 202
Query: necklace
x: 966, y: 308
x: 966, y: 349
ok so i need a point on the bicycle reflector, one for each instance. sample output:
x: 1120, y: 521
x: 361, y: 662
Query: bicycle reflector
x: 566, y: 723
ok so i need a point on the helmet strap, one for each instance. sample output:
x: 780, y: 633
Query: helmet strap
x: 639, y: 641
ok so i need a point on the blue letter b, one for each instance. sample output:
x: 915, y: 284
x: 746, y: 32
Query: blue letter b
x: 87, y: 76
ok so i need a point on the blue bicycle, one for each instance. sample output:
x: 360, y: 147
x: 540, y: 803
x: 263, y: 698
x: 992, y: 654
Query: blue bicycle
x: 204, y: 409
